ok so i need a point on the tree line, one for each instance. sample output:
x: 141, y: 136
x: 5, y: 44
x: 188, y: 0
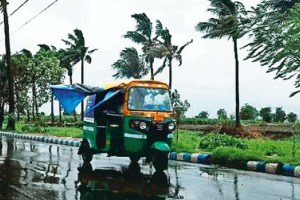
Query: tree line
x: 273, y: 26
x: 249, y: 112
x: 34, y: 73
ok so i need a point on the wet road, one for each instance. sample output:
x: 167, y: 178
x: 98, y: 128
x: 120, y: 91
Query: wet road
x: 34, y: 170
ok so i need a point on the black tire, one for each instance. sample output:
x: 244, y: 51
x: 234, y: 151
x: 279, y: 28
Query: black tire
x: 134, y: 159
x: 87, y: 154
x: 160, y: 160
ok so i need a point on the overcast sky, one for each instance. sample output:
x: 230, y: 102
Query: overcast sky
x: 206, y: 77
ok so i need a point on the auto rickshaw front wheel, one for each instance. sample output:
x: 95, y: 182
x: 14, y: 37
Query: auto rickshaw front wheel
x: 160, y: 160
x: 86, y: 152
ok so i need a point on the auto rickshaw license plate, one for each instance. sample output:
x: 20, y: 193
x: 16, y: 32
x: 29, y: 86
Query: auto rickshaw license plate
x: 159, y: 126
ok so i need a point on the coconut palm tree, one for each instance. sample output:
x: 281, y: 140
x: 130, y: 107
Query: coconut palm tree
x: 144, y: 35
x: 169, y: 51
x: 130, y: 65
x: 78, y: 52
x: 275, y: 40
x: 230, y: 23
x: 11, y: 100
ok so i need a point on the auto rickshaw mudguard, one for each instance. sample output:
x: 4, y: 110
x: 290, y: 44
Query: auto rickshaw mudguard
x: 161, y: 146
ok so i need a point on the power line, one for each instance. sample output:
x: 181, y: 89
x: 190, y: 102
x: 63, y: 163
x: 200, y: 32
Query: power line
x: 32, y: 18
x: 17, y: 9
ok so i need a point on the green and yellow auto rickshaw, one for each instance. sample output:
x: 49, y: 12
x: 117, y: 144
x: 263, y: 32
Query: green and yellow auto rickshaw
x: 131, y: 118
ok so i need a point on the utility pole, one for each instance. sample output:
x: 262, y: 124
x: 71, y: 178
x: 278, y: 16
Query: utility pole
x: 11, y: 100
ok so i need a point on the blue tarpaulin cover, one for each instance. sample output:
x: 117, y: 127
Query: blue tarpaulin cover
x: 70, y: 96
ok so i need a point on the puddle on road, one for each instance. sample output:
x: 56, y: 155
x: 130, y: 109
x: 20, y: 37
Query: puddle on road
x: 29, y: 170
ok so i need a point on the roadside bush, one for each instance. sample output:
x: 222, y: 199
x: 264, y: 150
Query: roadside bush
x: 214, y: 140
x: 232, y: 156
x: 32, y: 128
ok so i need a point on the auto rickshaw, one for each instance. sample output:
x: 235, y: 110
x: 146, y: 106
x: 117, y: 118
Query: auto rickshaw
x: 131, y: 118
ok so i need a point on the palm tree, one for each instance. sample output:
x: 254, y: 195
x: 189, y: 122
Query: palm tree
x: 274, y: 23
x: 230, y: 23
x: 143, y: 35
x: 66, y: 62
x: 169, y: 51
x: 78, y: 52
x: 130, y: 65
x: 11, y: 100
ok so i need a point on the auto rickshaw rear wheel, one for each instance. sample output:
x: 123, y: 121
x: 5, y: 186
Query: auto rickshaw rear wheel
x: 160, y: 160
x: 87, y: 154
x: 134, y: 159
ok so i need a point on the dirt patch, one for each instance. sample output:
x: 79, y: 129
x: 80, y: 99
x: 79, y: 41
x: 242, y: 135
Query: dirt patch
x: 246, y: 131
x: 241, y: 132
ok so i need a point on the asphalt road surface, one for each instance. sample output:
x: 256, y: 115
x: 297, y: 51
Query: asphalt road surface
x: 36, y: 170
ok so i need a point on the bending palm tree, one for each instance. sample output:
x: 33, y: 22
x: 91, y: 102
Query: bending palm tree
x: 143, y: 35
x: 78, y: 52
x: 230, y: 23
x: 170, y: 51
x: 130, y: 65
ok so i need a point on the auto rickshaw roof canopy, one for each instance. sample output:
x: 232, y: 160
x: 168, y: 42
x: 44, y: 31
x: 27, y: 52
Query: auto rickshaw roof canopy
x: 71, y: 95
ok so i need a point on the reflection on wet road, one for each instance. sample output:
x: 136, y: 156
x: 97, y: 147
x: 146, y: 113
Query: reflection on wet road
x: 33, y: 170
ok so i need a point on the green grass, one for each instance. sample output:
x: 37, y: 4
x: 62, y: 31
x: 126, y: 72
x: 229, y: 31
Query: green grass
x: 65, y: 132
x: 73, y: 132
x: 188, y: 141
x: 257, y: 149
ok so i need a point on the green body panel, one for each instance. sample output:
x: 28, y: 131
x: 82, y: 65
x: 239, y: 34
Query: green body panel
x: 91, y: 134
x: 121, y: 139
x: 161, y: 146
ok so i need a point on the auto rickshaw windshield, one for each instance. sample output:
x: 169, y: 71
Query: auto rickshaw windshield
x: 149, y: 99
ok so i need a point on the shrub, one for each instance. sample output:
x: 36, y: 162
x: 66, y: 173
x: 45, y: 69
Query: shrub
x: 232, y: 156
x: 214, y: 140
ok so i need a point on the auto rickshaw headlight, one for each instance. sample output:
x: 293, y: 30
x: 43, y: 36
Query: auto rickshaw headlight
x: 143, y: 125
x: 171, y: 126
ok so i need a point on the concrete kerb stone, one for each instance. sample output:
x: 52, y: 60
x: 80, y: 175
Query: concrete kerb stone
x: 201, y: 158
x: 257, y: 166
x: 54, y: 140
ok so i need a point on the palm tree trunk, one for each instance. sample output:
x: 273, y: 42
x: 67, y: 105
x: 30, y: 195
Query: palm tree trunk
x: 237, y: 94
x: 1, y: 115
x: 33, y: 102
x: 170, y: 73
x: 52, y: 109
x: 11, y: 101
x: 151, y: 68
x: 71, y: 79
x: 82, y: 82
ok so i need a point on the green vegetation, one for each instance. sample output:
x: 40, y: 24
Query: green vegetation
x: 230, y: 151
x: 56, y: 131
x: 213, y: 140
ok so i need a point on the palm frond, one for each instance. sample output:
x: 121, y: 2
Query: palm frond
x: 181, y: 48
x: 144, y: 25
x: 92, y: 51
x: 136, y: 37
x: 88, y: 59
